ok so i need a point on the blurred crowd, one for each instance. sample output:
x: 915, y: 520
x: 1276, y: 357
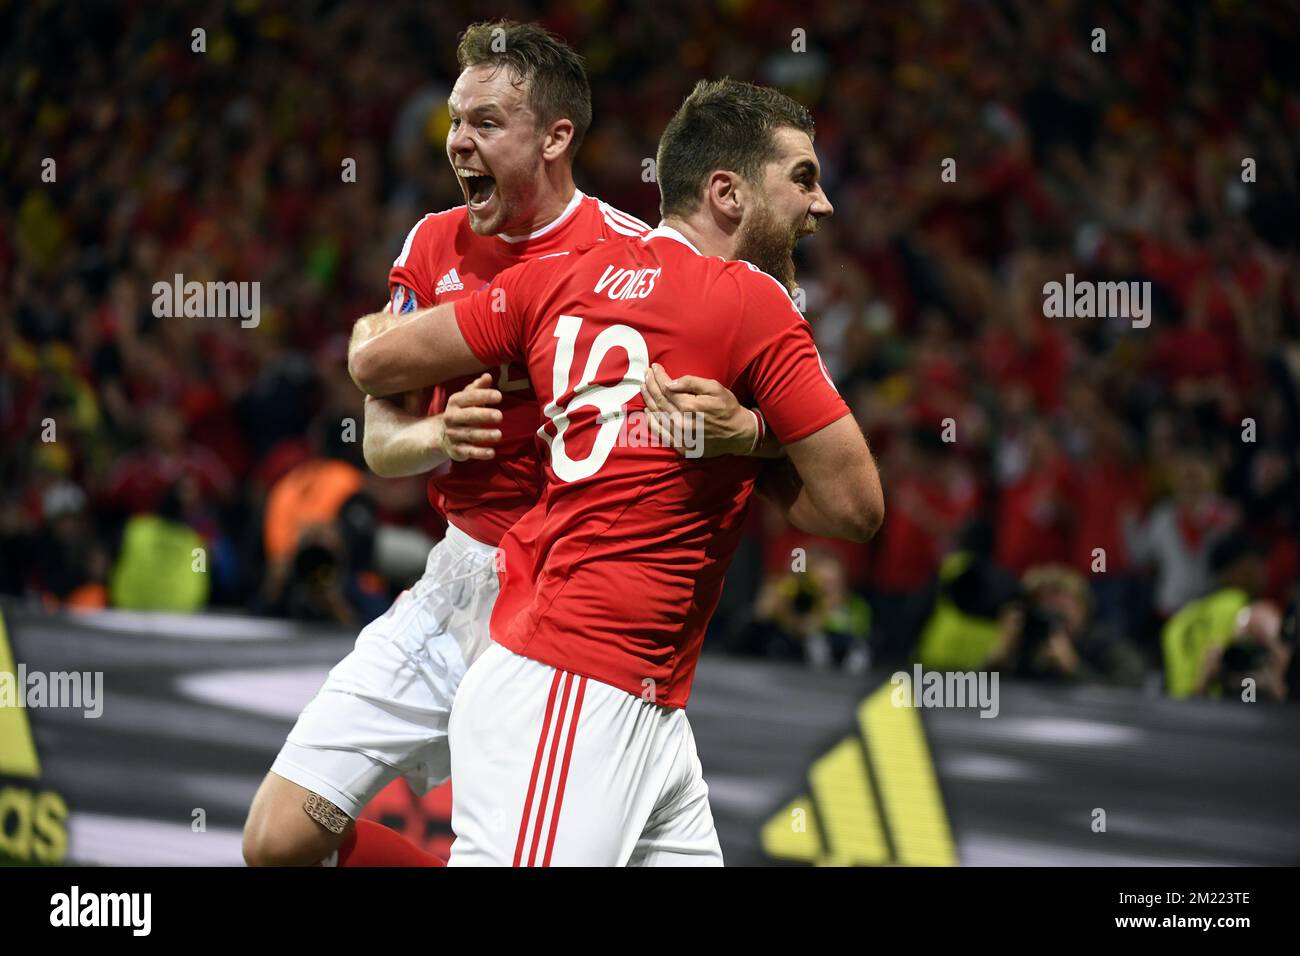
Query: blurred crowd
x: 1068, y: 498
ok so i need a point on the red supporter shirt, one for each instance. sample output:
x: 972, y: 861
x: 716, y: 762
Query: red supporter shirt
x: 1100, y: 496
x: 912, y: 548
x: 615, y: 573
x: 443, y: 259
x: 1032, y: 520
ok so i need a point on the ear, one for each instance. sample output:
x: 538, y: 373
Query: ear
x: 557, y: 139
x: 722, y: 193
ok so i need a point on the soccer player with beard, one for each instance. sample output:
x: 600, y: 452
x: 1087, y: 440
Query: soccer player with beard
x: 569, y: 729
x: 519, y: 110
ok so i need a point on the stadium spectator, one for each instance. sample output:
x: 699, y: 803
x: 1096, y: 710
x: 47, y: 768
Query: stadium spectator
x: 1195, y: 639
x: 810, y: 614
x: 1252, y: 669
x: 162, y: 563
x: 1052, y: 635
x: 968, y: 610
x: 1178, y: 534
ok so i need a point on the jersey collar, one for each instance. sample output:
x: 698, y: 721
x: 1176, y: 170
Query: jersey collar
x: 550, y: 226
x: 668, y: 232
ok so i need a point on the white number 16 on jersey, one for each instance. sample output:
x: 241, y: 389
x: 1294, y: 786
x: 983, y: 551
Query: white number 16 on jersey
x: 608, y: 400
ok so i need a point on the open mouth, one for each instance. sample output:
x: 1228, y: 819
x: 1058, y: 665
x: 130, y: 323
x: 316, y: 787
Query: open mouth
x: 479, y: 189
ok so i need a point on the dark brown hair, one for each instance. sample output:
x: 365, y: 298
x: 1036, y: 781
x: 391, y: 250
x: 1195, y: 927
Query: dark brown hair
x: 557, y: 81
x: 723, y: 124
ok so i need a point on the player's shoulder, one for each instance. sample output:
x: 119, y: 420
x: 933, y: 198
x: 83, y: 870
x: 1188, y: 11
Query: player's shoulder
x: 613, y: 222
x: 575, y: 269
x: 433, y: 227
x: 758, y: 287
x: 538, y: 272
x: 599, y: 246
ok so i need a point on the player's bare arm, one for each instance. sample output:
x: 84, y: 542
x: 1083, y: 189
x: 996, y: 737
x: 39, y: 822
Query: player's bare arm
x: 398, y: 443
x: 729, y: 427
x: 836, y: 492
x: 390, y: 354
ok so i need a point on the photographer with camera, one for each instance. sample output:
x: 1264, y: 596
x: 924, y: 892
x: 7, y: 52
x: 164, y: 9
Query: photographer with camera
x: 812, y: 615
x: 1049, y: 634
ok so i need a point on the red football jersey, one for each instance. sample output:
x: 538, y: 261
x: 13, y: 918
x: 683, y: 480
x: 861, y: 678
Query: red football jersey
x: 444, y: 259
x: 618, y: 569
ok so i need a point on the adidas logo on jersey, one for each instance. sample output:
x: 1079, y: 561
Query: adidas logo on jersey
x: 449, y: 283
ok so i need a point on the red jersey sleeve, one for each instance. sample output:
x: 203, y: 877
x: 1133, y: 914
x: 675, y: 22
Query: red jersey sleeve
x: 410, y: 286
x: 780, y: 365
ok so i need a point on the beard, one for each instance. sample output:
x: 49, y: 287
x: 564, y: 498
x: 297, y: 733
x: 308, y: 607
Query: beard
x: 768, y: 243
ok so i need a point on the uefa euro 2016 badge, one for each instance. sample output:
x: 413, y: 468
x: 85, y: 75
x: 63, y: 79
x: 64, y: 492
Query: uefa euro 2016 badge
x: 403, y: 300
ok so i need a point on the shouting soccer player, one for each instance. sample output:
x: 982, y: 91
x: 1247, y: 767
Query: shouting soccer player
x: 519, y: 110
x: 570, y: 744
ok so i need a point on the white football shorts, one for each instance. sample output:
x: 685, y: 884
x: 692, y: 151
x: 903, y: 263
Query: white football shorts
x: 383, y: 711
x: 557, y: 769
